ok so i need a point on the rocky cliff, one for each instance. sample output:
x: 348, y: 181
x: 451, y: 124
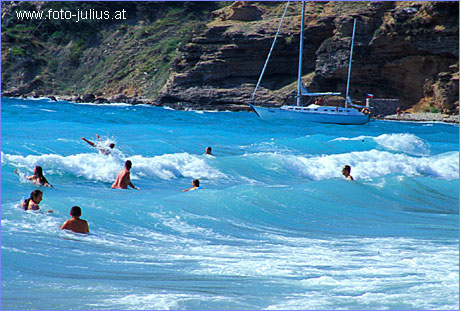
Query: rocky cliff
x: 103, y: 57
x: 403, y: 50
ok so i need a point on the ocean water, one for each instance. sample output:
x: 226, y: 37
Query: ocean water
x: 275, y: 226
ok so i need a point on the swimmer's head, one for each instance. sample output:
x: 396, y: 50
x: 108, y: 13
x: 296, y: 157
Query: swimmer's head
x: 196, y: 183
x: 75, y: 211
x: 36, y: 196
x: 38, y: 171
x: 128, y: 164
x: 112, y: 145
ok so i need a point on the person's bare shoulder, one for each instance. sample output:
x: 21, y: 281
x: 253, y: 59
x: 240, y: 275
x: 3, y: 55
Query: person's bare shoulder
x: 85, y: 224
x: 65, y: 225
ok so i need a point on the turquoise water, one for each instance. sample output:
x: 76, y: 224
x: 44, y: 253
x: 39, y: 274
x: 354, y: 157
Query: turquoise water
x: 275, y: 227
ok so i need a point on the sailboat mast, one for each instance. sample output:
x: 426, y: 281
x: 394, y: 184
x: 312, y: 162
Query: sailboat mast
x: 349, y: 63
x: 299, y: 79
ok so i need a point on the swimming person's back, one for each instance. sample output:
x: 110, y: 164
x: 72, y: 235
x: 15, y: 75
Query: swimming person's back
x: 76, y: 224
x: 123, y: 179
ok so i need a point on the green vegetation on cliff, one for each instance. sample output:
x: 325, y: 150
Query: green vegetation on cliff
x: 98, y: 55
x: 211, y: 53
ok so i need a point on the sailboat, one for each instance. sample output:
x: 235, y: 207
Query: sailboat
x: 313, y: 112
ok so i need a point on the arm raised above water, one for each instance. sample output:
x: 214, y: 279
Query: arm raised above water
x: 89, y: 142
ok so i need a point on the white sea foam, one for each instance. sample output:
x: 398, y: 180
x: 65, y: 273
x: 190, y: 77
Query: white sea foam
x: 368, y: 277
x: 38, y: 98
x: 169, y: 166
x: 196, y: 111
x: 32, y: 222
x: 403, y: 142
x: 202, y: 111
x: 345, y: 274
x: 160, y: 301
x: 407, y: 143
x: 348, y: 138
x: 370, y: 164
x: 156, y: 301
x: 92, y: 166
x: 98, y: 167
x: 104, y: 104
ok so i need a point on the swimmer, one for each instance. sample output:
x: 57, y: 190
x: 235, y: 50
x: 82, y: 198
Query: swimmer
x: 101, y: 150
x: 37, y: 178
x: 31, y: 204
x: 123, y: 179
x: 76, y: 224
x: 195, y: 184
x: 208, y: 151
x: 346, y: 172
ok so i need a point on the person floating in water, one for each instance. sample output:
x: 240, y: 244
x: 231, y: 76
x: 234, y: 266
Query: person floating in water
x: 101, y: 149
x: 346, y: 172
x: 37, y: 178
x: 31, y: 204
x: 195, y: 184
x: 76, y: 224
x: 123, y: 178
x: 208, y: 151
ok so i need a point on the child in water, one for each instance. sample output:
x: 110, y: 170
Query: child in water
x: 76, y: 224
x: 208, y: 151
x: 37, y: 178
x: 195, y: 184
x: 31, y: 204
x: 346, y: 172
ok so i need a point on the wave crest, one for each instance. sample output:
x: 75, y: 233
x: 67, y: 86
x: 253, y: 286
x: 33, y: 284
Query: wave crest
x: 98, y: 167
x: 402, y: 142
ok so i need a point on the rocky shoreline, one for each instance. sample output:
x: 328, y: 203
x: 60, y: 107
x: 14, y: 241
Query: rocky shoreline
x: 123, y: 99
x: 91, y: 98
x: 423, y: 117
x: 120, y: 98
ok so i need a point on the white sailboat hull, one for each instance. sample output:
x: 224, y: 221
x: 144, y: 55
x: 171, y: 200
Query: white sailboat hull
x: 323, y: 114
x: 313, y: 113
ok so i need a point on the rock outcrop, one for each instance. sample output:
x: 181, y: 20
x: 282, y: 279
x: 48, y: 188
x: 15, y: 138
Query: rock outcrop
x: 402, y: 50
x: 194, y: 55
